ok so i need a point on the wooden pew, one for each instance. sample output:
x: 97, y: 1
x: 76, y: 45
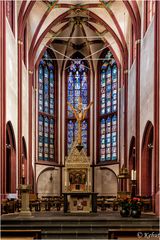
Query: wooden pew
x: 4, y: 206
x: 21, y: 234
x: 107, y: 202
x: 34, y: 201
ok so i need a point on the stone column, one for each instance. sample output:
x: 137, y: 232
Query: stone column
x: 25, y: 189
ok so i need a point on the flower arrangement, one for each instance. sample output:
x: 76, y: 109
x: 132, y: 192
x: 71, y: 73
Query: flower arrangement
x: 130, y: 207
x: 125, y: 207
x: 136, y: 203
x: 125, y: 203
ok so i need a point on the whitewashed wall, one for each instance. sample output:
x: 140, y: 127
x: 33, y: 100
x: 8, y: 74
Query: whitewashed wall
x: 46, y: 186
x: 121, y: 118
x: 25, y: 103
x: 11, y: 84
x: 146, y: 81
x: 131, y: 103
x: 106, y: 180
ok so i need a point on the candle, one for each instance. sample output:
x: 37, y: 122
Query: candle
x: 132, y: 174
x: 65, y: 178
x: 22, y: 169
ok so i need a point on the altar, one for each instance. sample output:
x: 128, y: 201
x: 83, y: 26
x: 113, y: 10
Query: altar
x: 78, y: 195
x: 77, y: 177
x: 80, y: 202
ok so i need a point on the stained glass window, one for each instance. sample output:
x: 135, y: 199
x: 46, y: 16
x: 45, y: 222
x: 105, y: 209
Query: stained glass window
x: 108, y: 109
x: 40, y: 137
x: 40, y: 88
x: 77, y: 86
x: 46, y: 108
x: 46, y: 138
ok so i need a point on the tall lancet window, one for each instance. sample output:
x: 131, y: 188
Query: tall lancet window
x: 46, y: 109
x: 77, y: 86
x: 108, y: 81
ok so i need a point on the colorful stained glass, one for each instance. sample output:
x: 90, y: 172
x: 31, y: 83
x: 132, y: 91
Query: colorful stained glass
x: 40, y: 137
x: 108, y: 109
x: 114, y: 88
x: 108, y: 138
x: 40, y: 90
x: 51, y: 91
x: 51, y: 145
x: 75, y: 130
x: 102, y: 140
x: 70, y: 128
x: 108, y: 89
x: 84, y: 134
x: 46, y: 104
x: 114, y: 137
x: 46, y: 90
x: 77, y: 85
x: 103, y: 92
x: 46, y: 138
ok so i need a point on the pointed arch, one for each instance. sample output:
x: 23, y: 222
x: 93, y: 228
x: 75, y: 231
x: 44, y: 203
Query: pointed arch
x: 47, y: 108
x: 106, y: 182
x: 46, y: 182
x: 132, y: 154
x: 10, y: 130
x: 107, y: 109
x: 10, y: 168
x: 132, y: 163
x: 147, y: 166
x: 24, y: 160
x: 77, y: 84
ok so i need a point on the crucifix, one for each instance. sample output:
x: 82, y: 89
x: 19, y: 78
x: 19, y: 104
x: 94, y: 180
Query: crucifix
x: 80, y: 115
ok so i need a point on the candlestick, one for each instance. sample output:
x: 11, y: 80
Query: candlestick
x: 134, y: 176
x: 65, y: 178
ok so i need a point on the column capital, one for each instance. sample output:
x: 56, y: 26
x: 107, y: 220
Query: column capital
x: 126, y: 71
x: 30, y: 72
x: 20, y: 42
x: 138, y: 41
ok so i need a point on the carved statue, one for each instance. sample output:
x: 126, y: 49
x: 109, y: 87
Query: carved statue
x: 80, y: 115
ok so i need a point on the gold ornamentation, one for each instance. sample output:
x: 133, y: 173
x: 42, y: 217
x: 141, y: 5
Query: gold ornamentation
x: 80, y: 115
x: 77, y: 170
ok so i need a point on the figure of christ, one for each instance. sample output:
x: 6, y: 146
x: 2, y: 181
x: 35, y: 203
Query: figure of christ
x: 80, y: 115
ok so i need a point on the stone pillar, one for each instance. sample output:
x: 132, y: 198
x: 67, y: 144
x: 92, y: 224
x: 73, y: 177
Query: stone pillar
x: 25, y: 189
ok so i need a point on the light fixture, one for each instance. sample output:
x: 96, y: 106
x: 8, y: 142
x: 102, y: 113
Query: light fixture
x: 150, y: 146
x: 51, y: 178
x: 8, y: 146
x: 123, y: 173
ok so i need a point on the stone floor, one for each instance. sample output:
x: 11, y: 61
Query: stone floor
x: 108, y: 214
x: 101, y: 225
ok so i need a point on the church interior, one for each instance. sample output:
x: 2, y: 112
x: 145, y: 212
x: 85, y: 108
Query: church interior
x: 79, y: 117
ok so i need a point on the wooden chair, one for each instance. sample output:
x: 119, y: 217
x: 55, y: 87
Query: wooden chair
x: 4, y: 206
x: 147, y: 203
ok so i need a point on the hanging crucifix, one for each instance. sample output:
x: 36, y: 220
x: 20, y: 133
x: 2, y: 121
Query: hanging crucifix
x: 80, y: 115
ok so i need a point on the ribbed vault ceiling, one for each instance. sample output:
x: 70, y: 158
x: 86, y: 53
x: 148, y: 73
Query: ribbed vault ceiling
x: 84, y: 26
